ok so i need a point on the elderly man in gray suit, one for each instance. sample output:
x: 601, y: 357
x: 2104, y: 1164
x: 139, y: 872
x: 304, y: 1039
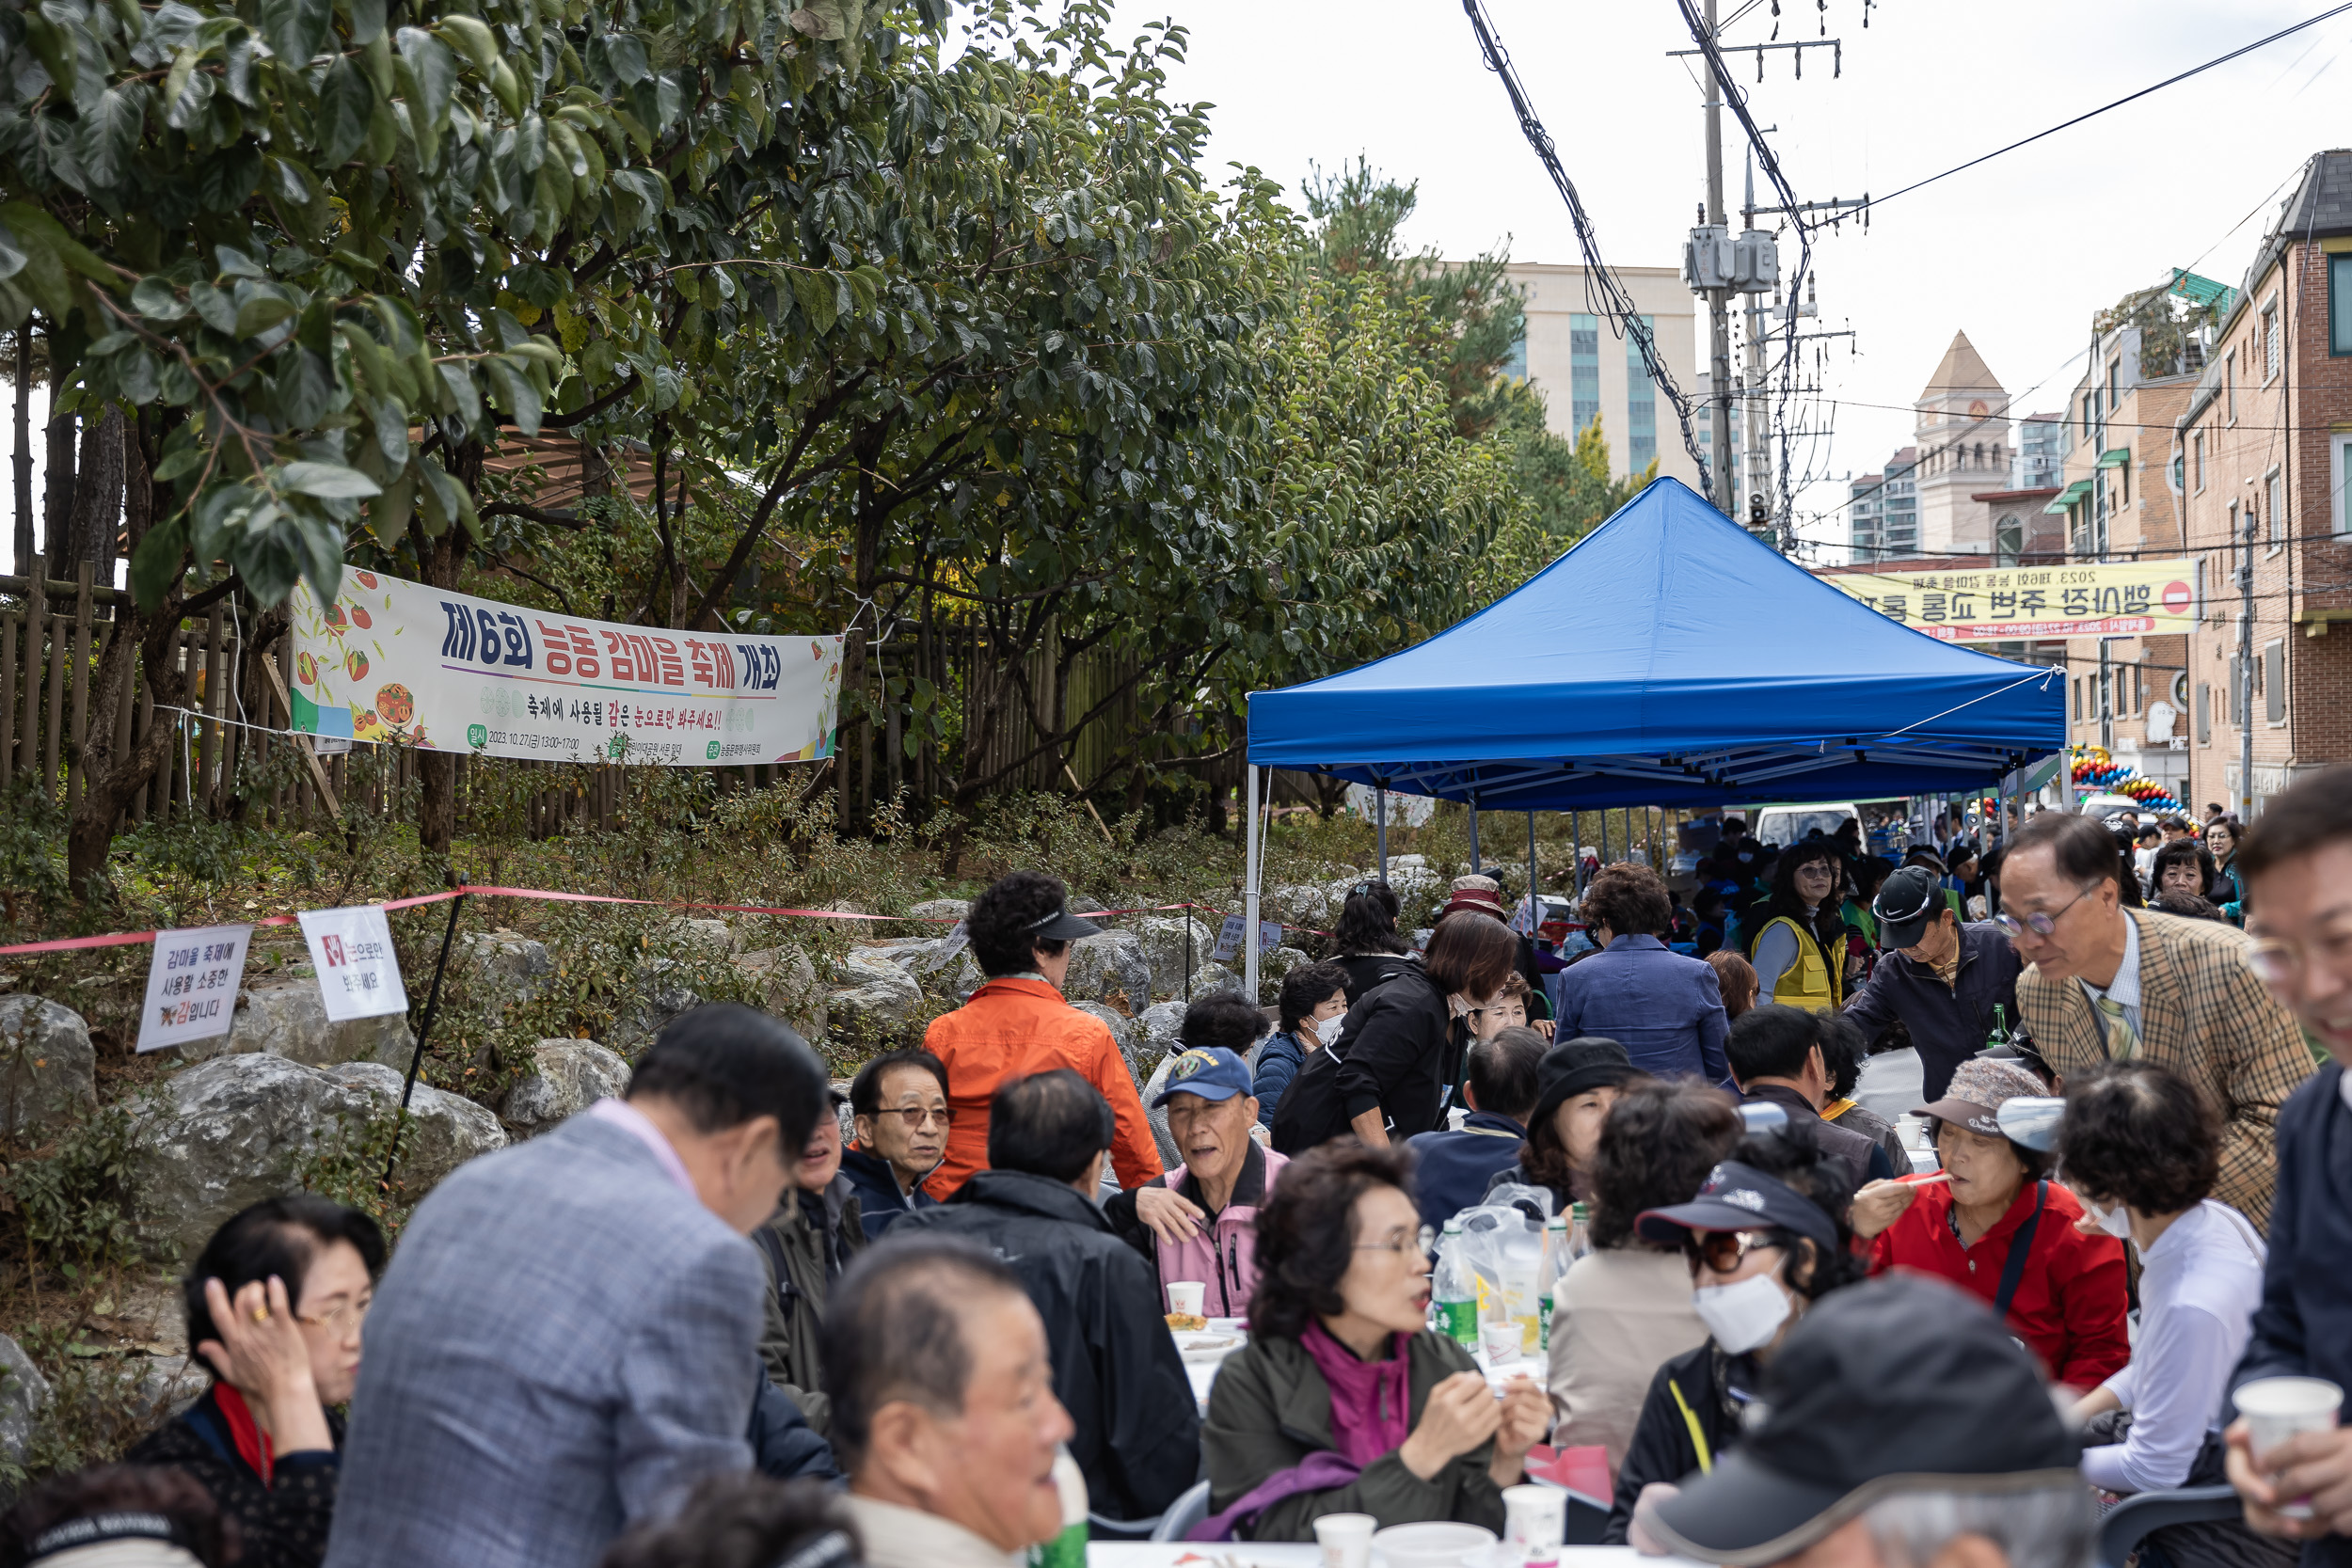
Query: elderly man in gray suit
x: 567, y: 1338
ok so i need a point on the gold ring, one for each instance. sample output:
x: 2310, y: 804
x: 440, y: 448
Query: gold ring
x: 261, y: 1314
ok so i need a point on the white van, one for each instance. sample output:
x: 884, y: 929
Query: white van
x: 1788, y: 825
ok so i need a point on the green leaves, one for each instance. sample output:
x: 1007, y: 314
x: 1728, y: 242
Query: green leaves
x: 346, y: 102
x: 297, y: 30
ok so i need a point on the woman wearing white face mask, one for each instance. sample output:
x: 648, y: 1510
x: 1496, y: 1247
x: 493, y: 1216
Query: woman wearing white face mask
x: 2142, y: 1148
x: 1313, y: 1010
x: 1767, y: 1237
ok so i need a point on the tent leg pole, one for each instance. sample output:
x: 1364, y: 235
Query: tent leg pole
x: 1249, y: 893
x: 1473, y: 832
x: 1380, y: 824
x: 1604, y: 836
x: 1534, y: 910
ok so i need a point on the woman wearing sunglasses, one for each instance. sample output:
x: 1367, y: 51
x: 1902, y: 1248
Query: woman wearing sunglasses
x: 1344, y: 1401
x: 1766, y: 1237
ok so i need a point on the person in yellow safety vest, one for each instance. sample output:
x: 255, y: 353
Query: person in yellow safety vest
x: 1799, y: 949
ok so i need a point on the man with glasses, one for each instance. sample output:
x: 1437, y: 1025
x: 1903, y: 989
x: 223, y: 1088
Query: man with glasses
x: 2107, y: 983
x: 2297, y: 865
x: 900, y: 1100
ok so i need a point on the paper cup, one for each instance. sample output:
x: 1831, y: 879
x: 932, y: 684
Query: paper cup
x: 1536, y: 1517
x: 1187, y: 1295
x: 1345, y: 1539
x: 2276, y: 1408
x: 1504, y: 1340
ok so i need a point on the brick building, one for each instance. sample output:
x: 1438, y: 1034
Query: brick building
x: 2264, y: 447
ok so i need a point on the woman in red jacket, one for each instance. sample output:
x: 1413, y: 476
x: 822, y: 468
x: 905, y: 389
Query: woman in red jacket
x: 1993, y: 1222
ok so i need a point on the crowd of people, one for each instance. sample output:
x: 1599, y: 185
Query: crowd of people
x: 696, y: 1325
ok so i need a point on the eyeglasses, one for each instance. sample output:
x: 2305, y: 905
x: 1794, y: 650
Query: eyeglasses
x: 1722, y: 1250
x: 350, y: 1315
x: 2039, y: 924
x: 919, y: 1114
x: 2279, y: 962
x: 1400, y: 1243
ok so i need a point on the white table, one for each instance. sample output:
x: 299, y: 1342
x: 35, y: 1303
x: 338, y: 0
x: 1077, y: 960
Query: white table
x: 1291, y: 1554
x: 1200, y: 1374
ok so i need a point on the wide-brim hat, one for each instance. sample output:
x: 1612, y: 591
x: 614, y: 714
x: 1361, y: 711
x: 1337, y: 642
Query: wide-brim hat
x: 1980, y: 1086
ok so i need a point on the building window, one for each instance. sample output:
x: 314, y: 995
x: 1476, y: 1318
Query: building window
x: 2275, y: 497
x: 2270, y: 340
x: 2273, y: 676
x: 2204, y: 713
x: 1584, y: 370
x: 2008, y: 539
x: 1515, y: 363
x: 2340, y: 476
x: 2339, y: 303
x: 1641, y: 406
x: 2197, y: 460
x: 2229, y: 386
x: 2079, y: 697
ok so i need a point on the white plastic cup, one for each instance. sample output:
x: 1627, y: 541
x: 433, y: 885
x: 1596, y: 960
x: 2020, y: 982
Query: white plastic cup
x: 1536, y: 1517
x: 1345, y: 1539
x: 1503, y: 1339
x: 1186, y: 1296
x: 2276, y: 1408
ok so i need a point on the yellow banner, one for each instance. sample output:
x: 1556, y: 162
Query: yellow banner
x: 2124, y: 598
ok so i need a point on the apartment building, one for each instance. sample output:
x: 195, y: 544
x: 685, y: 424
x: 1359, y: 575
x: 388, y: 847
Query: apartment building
x: 2263, y: 449
x: 1585, y: 370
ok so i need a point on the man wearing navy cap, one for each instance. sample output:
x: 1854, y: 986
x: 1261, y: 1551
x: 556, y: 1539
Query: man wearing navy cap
x: 1941, y: 978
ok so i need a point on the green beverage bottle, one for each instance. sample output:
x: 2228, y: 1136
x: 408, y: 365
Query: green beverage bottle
x: 1068, y: 1549
x: 1555, y: 1263
x: 1455, y: 1291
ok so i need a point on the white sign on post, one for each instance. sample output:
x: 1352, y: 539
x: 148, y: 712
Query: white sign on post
x: 192, y: 985
x: 1228, y: 939
x: 352, y: 949
x: 1269, y: 935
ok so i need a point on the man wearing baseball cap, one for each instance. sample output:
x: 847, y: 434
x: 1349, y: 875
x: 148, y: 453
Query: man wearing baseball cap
x: 1940, y: 978
x: 1901, y: 1427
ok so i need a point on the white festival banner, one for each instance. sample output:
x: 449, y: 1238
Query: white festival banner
x: 398, y: 662
x: 352, y: 950
x: 192, y: 985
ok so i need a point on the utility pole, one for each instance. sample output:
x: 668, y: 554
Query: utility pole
x: 2246, y: 673
x: 1718, y: 299
x: 1759, y: 417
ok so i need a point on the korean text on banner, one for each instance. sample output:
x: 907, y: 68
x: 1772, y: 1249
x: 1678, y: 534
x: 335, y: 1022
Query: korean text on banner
x: 397, y: 661
x: 192, y: 985
x: 352, y: 950
x: 2122, y: 598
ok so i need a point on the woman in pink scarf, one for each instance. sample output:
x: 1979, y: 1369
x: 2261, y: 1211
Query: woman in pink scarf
x: 1343, y: 1402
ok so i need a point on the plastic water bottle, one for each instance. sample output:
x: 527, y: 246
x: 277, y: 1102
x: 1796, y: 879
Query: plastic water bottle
x: 1455, y: 1291
x: 1580, y: 1232
x: 1068, y: 1549
x: 1556, y: 1261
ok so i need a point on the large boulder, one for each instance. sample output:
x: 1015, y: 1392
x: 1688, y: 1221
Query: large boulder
x: 1274, y: 965
x: 786, y: 979
x: 511, y: 963
x: 714, y: 938
x: 1302, y: 904
x: 1420, y: 891
x: 940, y: 961
x: 1163, y: 940
x: 942, y: 908
x: 1122, y: 1028
x: 1112, y: 964
x: 566, y: 1076
x: 658, y: 994
x: 23, y: 1393
x: 1156, y: 1030
x: 233, y: 1131
x: 287, y: 1017
x: 48, y: 1071
x: 1213, y: 979
x: 877, y: 1004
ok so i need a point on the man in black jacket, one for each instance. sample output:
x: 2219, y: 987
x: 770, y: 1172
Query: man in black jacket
x: 1942, y: 978
x: 1116, y: 1368
x: 1778, y: 1056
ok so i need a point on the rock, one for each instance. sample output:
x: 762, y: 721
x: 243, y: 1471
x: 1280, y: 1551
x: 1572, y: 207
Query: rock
x: 1162, y: 940
x: 511, y: 960
x: 1162, y: 1134
x: 659, y: 997
x: 942, y: 908
x: 1155, y: 1033
x: 879, y: 1006
x: 1303, y: 903
x: 1212, y: 979
x: 157, y: 1388
x: 230, y: 1131
x: 571, y: 1075
x: 710, y: 936
x: 23, y: 1393
x: 1122, y: 1027
x: 288, y: 1018
x: 48, y: 1070
x: 1273, y: 966
x: 786, y: 983
x: 1112, y: 964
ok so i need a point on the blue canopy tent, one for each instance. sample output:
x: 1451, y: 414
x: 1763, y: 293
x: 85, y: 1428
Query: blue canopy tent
x: 1668, y: 659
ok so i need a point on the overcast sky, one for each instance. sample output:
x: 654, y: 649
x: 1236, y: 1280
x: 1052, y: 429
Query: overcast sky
x: 2018, y: 252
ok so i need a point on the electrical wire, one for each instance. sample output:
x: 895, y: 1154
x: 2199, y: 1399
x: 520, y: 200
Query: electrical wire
x: 2092, y: 114
x: 1603, y: 290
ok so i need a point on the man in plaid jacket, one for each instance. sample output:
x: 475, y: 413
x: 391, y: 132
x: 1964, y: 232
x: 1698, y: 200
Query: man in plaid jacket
x: 2104, y: 982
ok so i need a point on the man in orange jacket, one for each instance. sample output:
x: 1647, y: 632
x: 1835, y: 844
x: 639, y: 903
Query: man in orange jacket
x: 1017, y: 1024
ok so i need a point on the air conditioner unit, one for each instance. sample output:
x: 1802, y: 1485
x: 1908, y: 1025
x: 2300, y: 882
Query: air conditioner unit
x: 1756, y: 261
x: 1709, y: 259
